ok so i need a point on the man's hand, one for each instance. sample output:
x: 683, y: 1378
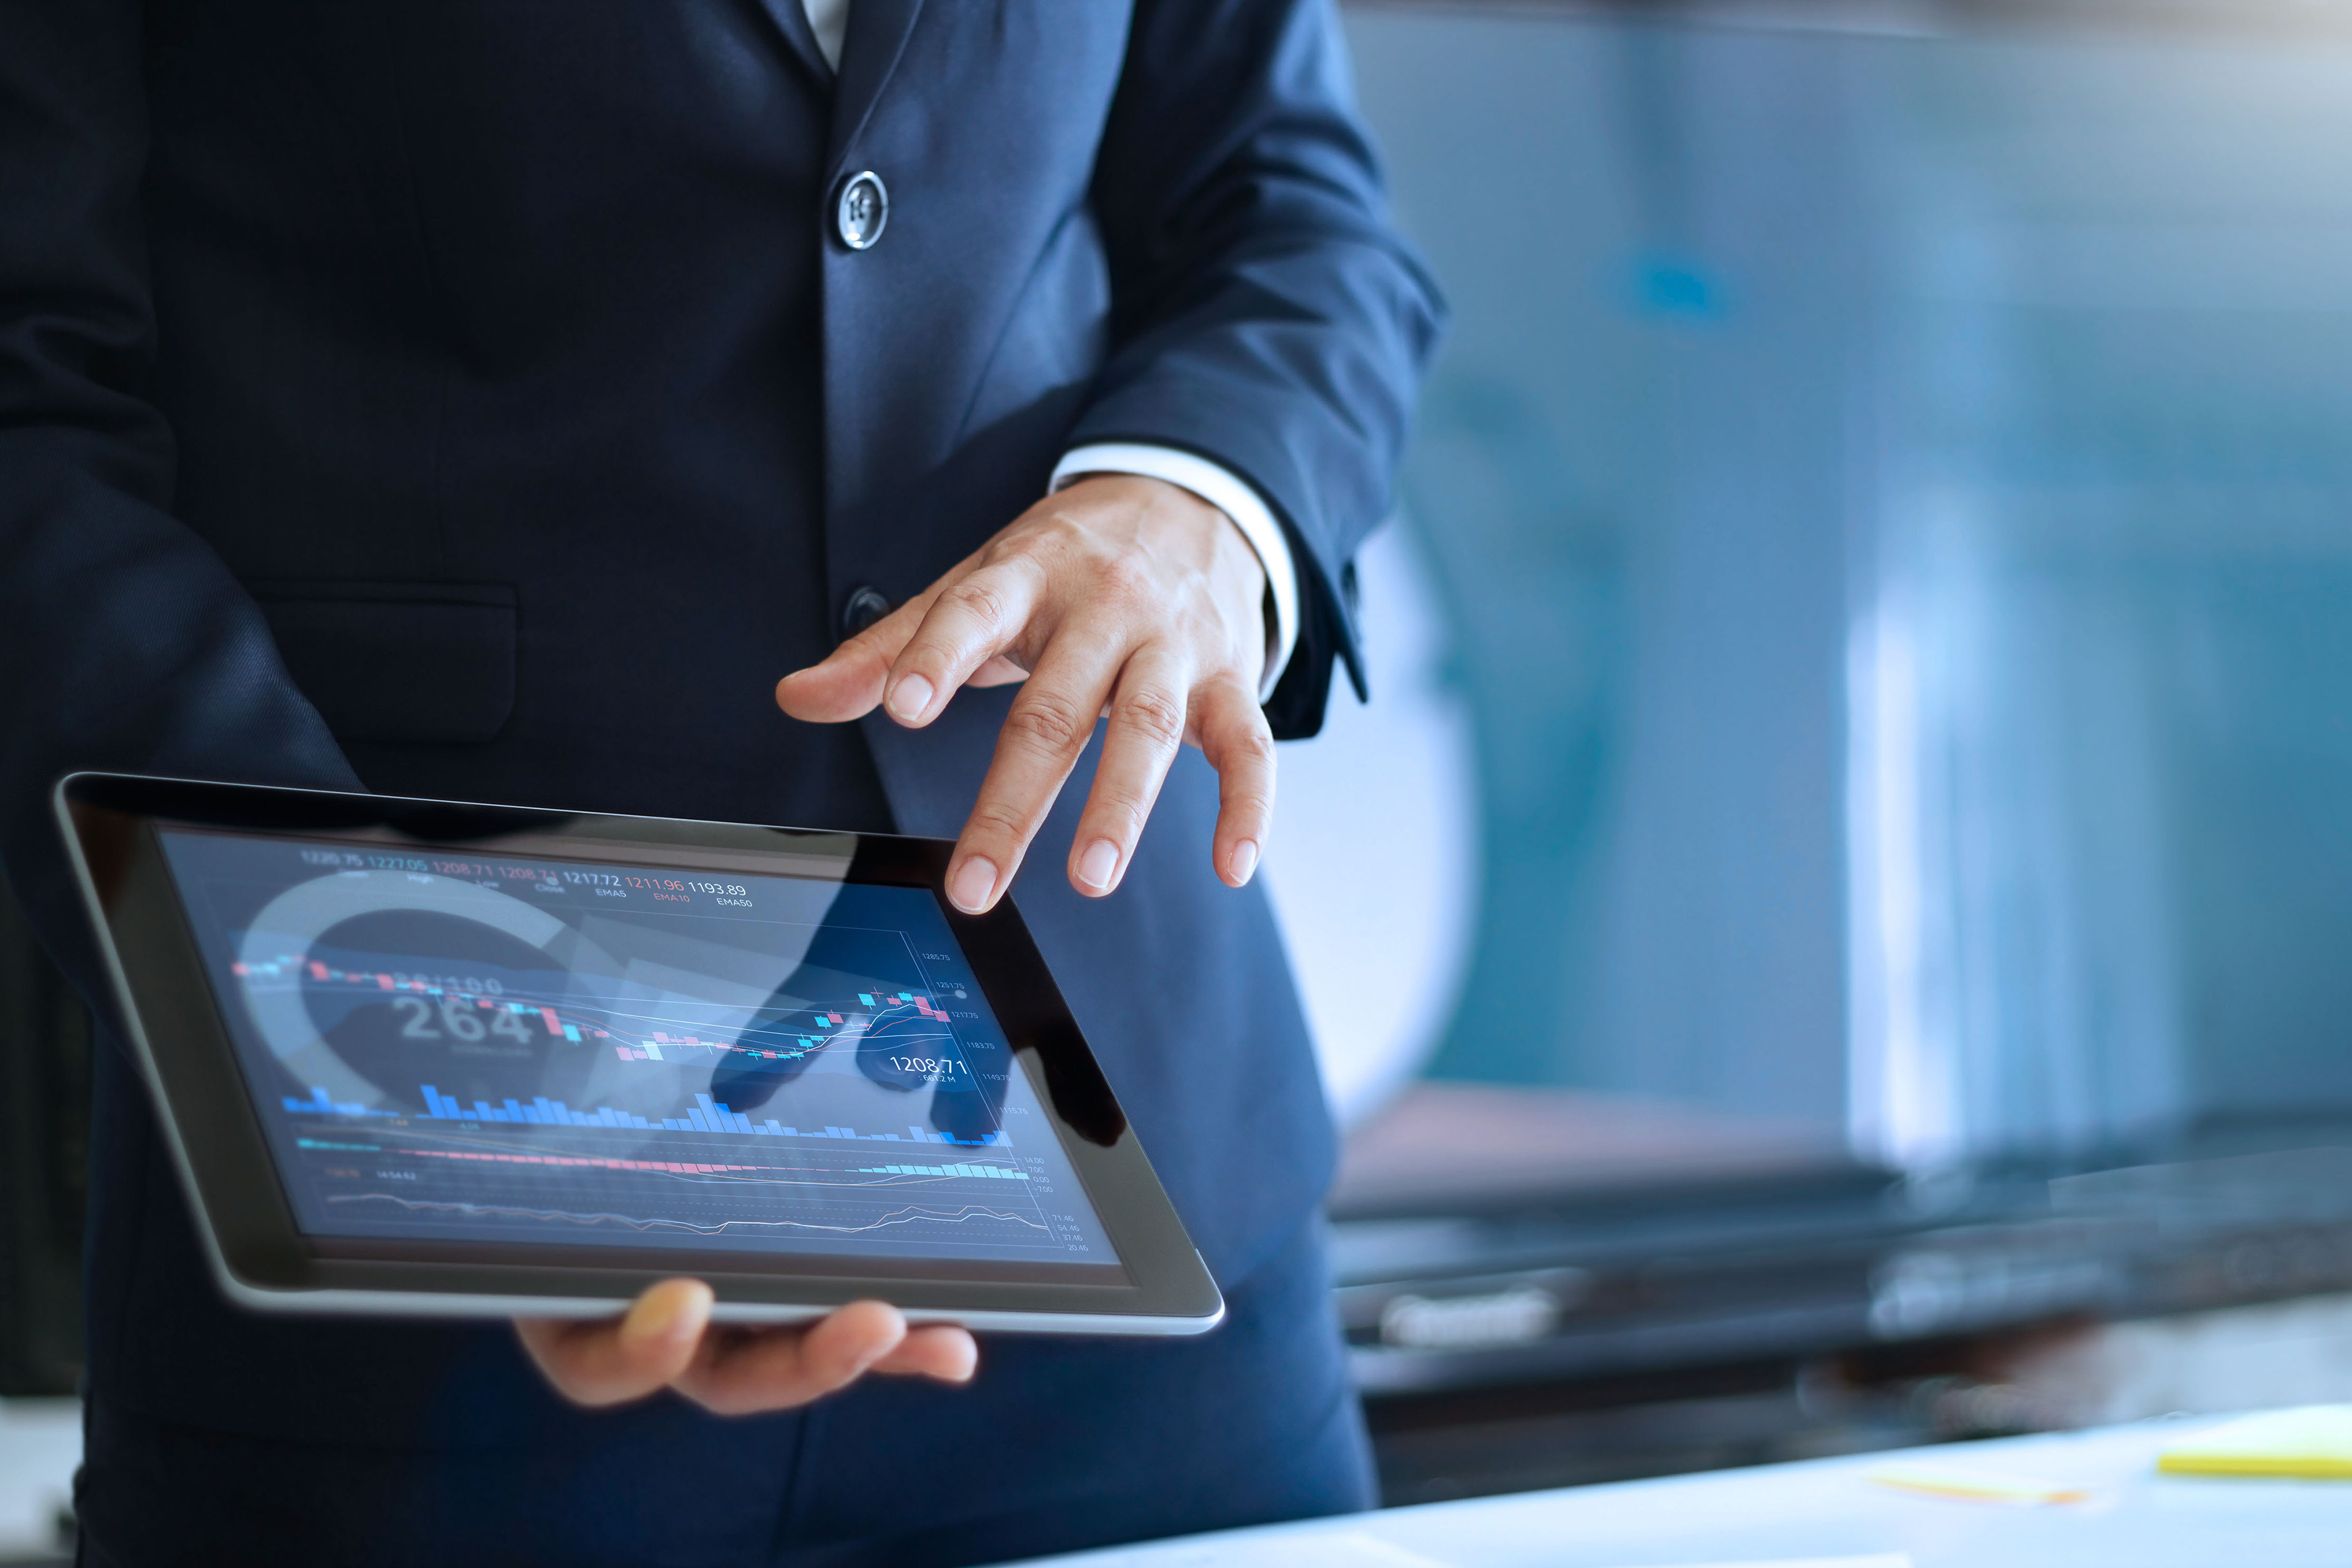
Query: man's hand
x: 1120, y: 596
x: 667, y: 1341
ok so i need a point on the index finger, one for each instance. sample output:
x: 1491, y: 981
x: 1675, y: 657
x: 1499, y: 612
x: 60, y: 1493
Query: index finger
x: 1046, y: 729
x: 847, y: 682
x: 970, y: 621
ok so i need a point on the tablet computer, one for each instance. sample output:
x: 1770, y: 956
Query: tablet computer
x: 426, y: 1057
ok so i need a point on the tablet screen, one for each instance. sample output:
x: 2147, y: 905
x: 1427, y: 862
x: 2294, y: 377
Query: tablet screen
x: 450, y: 1046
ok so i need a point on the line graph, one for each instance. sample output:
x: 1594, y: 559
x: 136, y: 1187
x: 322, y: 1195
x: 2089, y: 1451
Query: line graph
x: 638, y: 1223
x: 817, y: 1176
x: 507, y: 1179
x: 420, y: 1174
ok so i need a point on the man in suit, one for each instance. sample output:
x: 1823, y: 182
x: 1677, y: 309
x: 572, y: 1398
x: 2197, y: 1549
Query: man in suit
x: 493, y: 402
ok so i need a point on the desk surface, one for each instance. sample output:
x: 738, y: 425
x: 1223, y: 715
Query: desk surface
x: 1829, y: 1508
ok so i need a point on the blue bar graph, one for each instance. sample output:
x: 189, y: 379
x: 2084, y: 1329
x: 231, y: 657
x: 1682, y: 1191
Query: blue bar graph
x: 996, y: 1172
x: 321, y: 1103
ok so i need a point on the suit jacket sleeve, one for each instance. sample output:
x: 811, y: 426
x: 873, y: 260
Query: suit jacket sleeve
x: 1265, y: 313
x: 125, y: 642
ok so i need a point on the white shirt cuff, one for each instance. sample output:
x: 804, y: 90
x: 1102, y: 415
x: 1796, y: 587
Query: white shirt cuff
x: 1230, y: 494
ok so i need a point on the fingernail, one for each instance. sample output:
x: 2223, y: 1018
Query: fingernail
x: 890, y: 1332
x: 664, y: 1315
x: 1243, y: 861
x: 973, y: 881
x: 1097, y: 863
x: 910, y: 698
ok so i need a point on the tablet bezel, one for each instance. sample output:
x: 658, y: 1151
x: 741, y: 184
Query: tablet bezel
x: 262, y: 1258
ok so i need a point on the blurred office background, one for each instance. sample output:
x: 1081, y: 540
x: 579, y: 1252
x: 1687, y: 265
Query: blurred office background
x: 1870, y: 625
x: 1887, y: 507
x: 1836, y: 929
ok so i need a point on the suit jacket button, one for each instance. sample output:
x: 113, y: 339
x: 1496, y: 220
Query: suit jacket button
x: 861, y: 210
x: 865, y: 605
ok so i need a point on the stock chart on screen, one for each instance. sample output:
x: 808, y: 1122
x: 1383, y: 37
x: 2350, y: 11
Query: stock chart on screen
x: 445, y: 1047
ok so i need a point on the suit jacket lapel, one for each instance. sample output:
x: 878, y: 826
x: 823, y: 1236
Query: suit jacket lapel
x: 792, y: 20
x: 878, y: 36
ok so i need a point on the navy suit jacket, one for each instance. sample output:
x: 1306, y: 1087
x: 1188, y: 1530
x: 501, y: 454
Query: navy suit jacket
x: 473, y: 400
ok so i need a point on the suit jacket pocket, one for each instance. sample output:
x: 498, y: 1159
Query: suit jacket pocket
x: 398, y: 662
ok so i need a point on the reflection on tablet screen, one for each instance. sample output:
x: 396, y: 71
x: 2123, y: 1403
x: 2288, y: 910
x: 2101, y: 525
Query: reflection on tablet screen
x: 446, y: 1047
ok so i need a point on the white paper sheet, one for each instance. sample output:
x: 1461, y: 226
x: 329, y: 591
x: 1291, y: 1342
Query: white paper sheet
x: 1360, y: 1549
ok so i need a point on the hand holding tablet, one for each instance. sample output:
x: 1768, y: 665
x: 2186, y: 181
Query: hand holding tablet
x: 667, y: 1341
x: 421, y: 1058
